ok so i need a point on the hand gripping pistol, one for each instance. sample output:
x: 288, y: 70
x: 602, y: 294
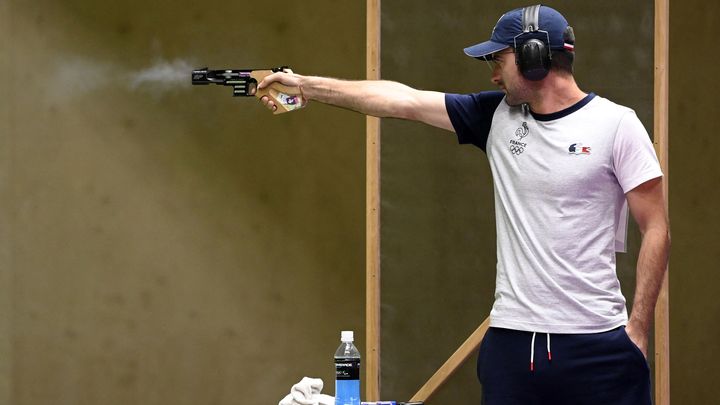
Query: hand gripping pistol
x: 245, y: 81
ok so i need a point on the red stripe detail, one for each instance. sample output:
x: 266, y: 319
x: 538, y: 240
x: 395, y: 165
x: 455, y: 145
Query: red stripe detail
x: 549, y: 356
x: 532, y: 366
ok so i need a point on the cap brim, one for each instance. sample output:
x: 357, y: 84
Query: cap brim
x: 483, y: 50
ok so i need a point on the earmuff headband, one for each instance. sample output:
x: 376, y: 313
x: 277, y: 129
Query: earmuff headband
x: 532, y: 46
x: 531, y: 23
x: 531, y: 18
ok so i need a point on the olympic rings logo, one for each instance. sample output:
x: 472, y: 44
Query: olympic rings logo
x: 516, y: 150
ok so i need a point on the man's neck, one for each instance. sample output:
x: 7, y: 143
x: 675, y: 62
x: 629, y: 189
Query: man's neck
x: 555, y: 93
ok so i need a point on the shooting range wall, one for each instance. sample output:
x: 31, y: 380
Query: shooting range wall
x: 163, y: 243
x: 167, y: 244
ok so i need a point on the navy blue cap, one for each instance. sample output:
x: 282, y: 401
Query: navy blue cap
x: 510, y: 26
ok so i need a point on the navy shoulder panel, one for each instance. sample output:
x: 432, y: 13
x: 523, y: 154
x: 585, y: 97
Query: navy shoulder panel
x: 471, y: 115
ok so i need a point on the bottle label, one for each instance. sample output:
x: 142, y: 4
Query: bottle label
x: 347, y: 369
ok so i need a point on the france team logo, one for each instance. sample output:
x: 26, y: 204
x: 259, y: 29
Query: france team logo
x: 578, y: 149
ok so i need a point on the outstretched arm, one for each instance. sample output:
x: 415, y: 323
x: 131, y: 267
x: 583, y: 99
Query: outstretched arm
x: 379, y: 98
x: 647, y: 206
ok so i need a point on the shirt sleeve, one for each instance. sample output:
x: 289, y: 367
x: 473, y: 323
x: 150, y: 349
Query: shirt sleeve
x: 634, y: 158
x: 471, y: 115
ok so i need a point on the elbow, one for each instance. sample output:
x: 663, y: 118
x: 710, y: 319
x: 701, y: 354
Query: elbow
x: 396, y: 110
x: 408, y: 108
x: 659, y: 240
x: 659, y: 229
x: 402, y: 102
x: 664, y: 232
x: 383, y: 107
x: 664, y: 240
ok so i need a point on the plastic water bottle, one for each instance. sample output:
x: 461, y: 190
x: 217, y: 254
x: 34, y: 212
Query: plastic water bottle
x: 347, y: 371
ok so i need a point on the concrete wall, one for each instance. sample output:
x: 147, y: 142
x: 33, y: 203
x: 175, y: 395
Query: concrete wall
x: 164, y: 243
x: 168, y: 244
x: 694, y: 196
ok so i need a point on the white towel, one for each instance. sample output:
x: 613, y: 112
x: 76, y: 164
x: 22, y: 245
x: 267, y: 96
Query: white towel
x: 307, y: 392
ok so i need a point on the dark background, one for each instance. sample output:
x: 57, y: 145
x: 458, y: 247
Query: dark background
x: 168, y: 244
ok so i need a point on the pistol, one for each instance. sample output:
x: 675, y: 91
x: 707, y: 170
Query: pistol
x: 245, y: 81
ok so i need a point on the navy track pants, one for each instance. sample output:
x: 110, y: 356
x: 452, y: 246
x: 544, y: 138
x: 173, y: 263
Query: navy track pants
x: 579, y: 369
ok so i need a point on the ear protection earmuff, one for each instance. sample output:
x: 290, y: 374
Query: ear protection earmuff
x: 532, y: 46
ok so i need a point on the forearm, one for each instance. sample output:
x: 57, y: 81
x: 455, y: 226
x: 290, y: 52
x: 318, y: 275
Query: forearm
x: 377, y: 98
x: 651, y: 267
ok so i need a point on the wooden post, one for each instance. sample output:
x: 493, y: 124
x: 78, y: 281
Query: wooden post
x: 372, y: 200
x: 661, y: 140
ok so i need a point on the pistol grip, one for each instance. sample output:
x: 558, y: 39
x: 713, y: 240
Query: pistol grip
x: 285, y: 98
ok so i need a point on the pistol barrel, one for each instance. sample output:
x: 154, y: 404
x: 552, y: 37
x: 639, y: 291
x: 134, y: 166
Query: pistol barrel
x: 241, y: 80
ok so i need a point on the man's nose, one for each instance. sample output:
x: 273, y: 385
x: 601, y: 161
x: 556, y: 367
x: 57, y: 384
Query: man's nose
x: 495, y: 78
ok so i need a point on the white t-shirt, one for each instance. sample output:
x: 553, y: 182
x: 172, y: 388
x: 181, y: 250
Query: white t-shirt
x: 560, y: 182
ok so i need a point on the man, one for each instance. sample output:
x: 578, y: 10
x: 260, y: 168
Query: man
x: 565, y: 163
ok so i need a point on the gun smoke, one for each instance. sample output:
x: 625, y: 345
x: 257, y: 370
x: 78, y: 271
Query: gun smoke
x: 77, y: 77
x: 163, y: 76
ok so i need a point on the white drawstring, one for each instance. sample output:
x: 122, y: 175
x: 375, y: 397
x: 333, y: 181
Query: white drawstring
x: 532, y: 350
x: 548, y: 344
x: 532, y: 353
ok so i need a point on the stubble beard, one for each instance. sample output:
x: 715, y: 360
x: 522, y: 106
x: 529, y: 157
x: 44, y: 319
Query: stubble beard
x: 516, y: 96
x: 512, y: 99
